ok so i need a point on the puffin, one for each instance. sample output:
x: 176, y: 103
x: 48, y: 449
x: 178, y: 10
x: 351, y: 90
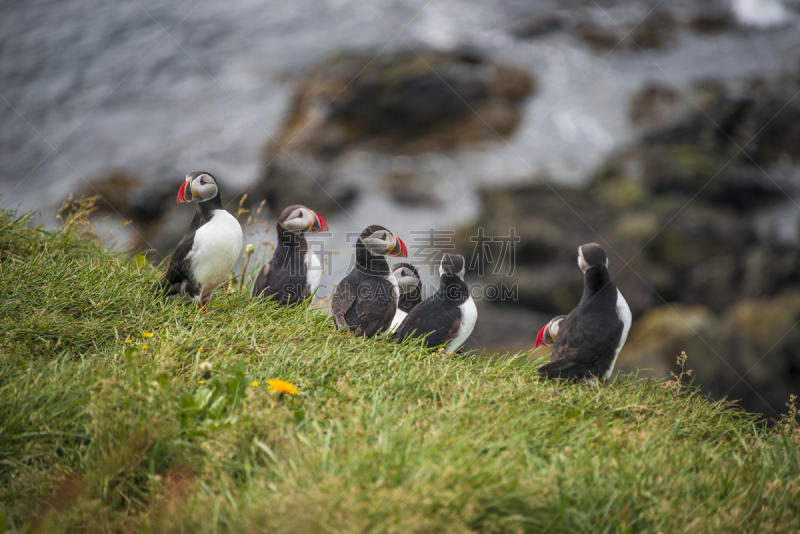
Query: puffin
x: 586, y: 342
x: 365, y: 301
x: 410, y: 287
x: 448, y: 316
x: 293, y: 274
x: 208, y: 251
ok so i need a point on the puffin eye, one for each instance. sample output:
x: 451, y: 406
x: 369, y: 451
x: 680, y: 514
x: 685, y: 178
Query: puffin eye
x: 202, y: 181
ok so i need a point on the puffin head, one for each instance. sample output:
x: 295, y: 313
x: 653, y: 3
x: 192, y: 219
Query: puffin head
x: 199, y: 186
x: 407, y: 277
x: 299, y: 219
x: 453, y: 265
x: 547, y: 335
x: 590, y: 255
x: 380, y: 241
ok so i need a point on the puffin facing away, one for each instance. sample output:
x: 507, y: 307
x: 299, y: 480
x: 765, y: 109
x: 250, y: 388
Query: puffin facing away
x: 586, y: 342
x: 365, y: 301
x: 209, y: 249
x: 449, y: 315
x: 410, y: 287
x: 293, y: 273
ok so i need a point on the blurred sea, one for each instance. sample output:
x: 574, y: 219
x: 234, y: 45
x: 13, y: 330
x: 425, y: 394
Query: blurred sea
x: 161, y: 89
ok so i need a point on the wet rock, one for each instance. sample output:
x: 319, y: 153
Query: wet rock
x: 712, y: 21
x: 301, y: 178
x: 541, y: 24
x: 126, y: 195
x: 602, y: 38
x: 717, y: 141
x: 657, y: 30
x: 660, y: 334
x: 760, y: 342
x: 403, y: 103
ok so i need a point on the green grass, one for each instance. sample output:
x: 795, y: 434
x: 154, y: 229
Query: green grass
x: 100, y: 436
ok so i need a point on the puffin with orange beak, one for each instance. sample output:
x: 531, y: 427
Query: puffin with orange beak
x: 586, y: 342
x: 365, y: 301
x: 208, y: 251
x: 293, y: 274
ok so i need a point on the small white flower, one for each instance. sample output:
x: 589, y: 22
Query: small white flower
x: 249, y: 249
x: 205, y: 366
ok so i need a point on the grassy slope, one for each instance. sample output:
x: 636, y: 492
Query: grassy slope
x: 100, y: 434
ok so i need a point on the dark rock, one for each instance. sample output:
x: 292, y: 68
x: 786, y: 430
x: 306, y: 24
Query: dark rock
x: 130, y: 197
x: 657, y: 30
x: 602, y: 38
x: 402, y: 102
x: 712, y: 22
x: 661, y: 334
x: 759, y: 343
x: 540, y: 24
x: 300, y: 178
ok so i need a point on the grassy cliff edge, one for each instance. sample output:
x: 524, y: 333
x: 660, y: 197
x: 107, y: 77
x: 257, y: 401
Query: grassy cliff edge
x: 97, y: 434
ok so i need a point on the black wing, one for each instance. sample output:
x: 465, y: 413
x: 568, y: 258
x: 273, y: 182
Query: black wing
x: 431, y: 317
x: 178, y: 280
x: 344, y: 296
x: 286, y: 282
x: 367, y: 308
x: 262, y: 282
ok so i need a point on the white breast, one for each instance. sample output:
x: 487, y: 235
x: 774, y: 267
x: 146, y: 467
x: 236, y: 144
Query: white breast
x: 469, y: 316
x: 399, y: 317
x: 216, y: 248
x: 313, y: 271
x: 624, y: 314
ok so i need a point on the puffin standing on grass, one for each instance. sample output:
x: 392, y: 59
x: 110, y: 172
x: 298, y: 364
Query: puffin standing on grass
x: 448, y: 316
x: 208, y: 251
x: 410, y: 287
x: 294, y: 272
x: 365, y: 301
x: 586, y: 342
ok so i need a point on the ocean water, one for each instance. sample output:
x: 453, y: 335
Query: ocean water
x: 161, y: 89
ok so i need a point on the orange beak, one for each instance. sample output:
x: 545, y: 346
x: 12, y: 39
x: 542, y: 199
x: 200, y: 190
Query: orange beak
x: 400, y: 250
x: 540, y: 337
x: 321, y: 225
x: 182, y: 194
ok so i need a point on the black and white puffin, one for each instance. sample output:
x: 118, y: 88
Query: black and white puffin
x: 294, y: 272
x: 365, y: 301
x: 586, y: 342
x: 209, y: 250
x: 410, y: 286
x: 448, y: 316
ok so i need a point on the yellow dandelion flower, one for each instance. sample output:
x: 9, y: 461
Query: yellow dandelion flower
x: 254, y: 383
x: 144, y: 347
x: 148, y: 335
x: 201, y: 381
x: 281, y: 386
x: 199, y: 349
x: 128, y: 341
